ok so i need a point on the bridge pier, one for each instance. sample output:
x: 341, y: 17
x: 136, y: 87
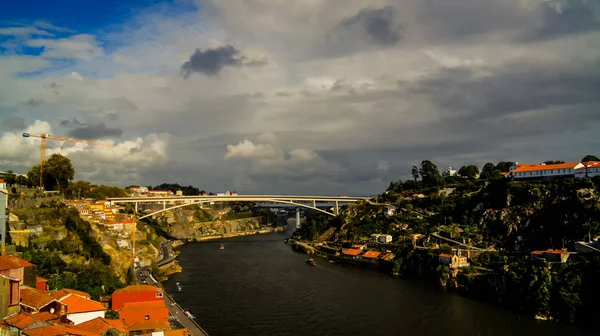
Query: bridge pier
x: 336, y: 208
x: 164, y: 205
x: 136, y: 208
x: 298, y: 224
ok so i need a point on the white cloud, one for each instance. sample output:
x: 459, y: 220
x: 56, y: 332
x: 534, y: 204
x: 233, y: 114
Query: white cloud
x: 132, y: 155
x: 453, y: 81
x: 24, y: 31
x: 82, y: 46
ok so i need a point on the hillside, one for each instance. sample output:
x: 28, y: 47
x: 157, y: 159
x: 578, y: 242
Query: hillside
x: 506, y: 220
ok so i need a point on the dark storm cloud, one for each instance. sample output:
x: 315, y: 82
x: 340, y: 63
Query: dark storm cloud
x: 73, y: 122
x: 211, y: 61
x: 515, y: 87
x: 570, y: 17
x: 379, y: 24
x: 95, y: 131
x: 13, y: 124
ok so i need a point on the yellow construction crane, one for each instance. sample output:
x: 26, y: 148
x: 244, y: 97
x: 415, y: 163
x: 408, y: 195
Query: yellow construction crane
x: 43, y: 137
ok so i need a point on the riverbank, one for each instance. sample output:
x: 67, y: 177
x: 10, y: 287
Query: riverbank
x: 173, y: 267
x: 258, y: 285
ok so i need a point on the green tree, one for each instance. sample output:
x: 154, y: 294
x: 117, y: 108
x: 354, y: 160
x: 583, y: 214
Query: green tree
x: 469, y: 171
x: 111, y: 315
x: 33, y: 176
x: 590, y: 157
x: 78, y: 189
x: 504, y: 166
x: 10, y: 177
x: 549, y: 162
x: 490, y: 172
x: 430, y: 175
x: 415, y: 173
x: 58, y: 171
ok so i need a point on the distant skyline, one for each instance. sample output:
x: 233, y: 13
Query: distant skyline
x: 322, y: 96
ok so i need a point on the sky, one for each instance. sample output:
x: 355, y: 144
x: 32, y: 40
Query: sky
x: 330, y: 97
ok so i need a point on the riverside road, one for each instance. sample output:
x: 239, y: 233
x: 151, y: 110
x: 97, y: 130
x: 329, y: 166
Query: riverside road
x: 175, y: 309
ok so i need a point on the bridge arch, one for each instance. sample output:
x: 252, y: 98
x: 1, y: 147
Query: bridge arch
x: 238, y: 200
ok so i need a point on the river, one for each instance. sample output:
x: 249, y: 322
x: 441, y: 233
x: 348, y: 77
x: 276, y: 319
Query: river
x: 258, y: 286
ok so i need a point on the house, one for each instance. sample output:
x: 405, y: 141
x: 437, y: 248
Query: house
x: 24, y: 321
x: 136, y: 312
x: 41, y: 284
x: 352, y: 252
x: 136, y: 294
x: 384, y: 239
x: 81, y: 308
x: 525, y: 171
x: 453, y: 260
x: 123, y: 243
x: 551, y: 255
x: 158, y: 193
x: 97, y: 206
x: 9, y: 296
x: 17, y: 268
x: 34, y: 301
x: 449, y: 172
x: 67, y: 291
x: 371, y: 255
x: 359, y: 246
x: 175, y: 332
x: 148, y: 327
x: 588, y: 169
x: 58, y: 330
x: 101, y: 326
x: 389, y: 210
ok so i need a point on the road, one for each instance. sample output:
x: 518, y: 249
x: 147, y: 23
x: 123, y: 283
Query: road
x: 165, y: 251
x: 175, y: 310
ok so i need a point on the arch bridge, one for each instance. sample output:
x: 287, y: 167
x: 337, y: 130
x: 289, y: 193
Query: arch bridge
x: 174, y: 202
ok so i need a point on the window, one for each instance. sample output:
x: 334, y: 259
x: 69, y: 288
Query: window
x: 14, y: 293
x: 147, y: 317
x: 159, y: 294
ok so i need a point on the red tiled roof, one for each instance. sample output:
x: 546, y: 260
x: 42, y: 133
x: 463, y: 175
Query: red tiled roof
x: 446, y: 255
x: 34, y: 298
x: 176, y: 332
x: 371, y: 254
x: 352, y: 252
x: 67, y: 291
x: 531, y: 167
x: 149, y: 325
x: 46, y: 316
x: 550, y: 251
x: 11, y: 262
x: 590, y: 164
x: 100, y: 325
x: 21, y: 320
x: 58, y: 330
x: 77, y: 304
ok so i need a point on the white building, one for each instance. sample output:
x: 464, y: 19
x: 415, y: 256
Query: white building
x: 124, y: 244
x: 588, y: 169
x: 522, y: 171
x: 384, y: 239
x: 81, y: 308
x: 449, y: 172
x: 389, y: 210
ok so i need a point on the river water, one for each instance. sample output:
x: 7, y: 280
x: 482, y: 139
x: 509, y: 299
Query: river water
x: 258, y: 286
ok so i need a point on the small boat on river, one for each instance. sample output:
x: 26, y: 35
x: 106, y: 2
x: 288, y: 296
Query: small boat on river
x: 189, y: 314
x: 179, y: 287
x: 222, y: 247
x: 310, y: 261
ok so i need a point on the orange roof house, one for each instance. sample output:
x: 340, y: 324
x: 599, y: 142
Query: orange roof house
x: 352, y: 252
x: 176, y: 332
x: 520, y: 170
x: 58, y: 330
x: 371, y: 255
x: 149, y: 326
x: 24, y: 321
x: 132, y: 313
x: 34, y: 301
x: 9, y: 296
x: 81, y: 309
x: 101, y: 325
x: 17, y: 268
x: 66, y: 291
x: 136, y: 293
